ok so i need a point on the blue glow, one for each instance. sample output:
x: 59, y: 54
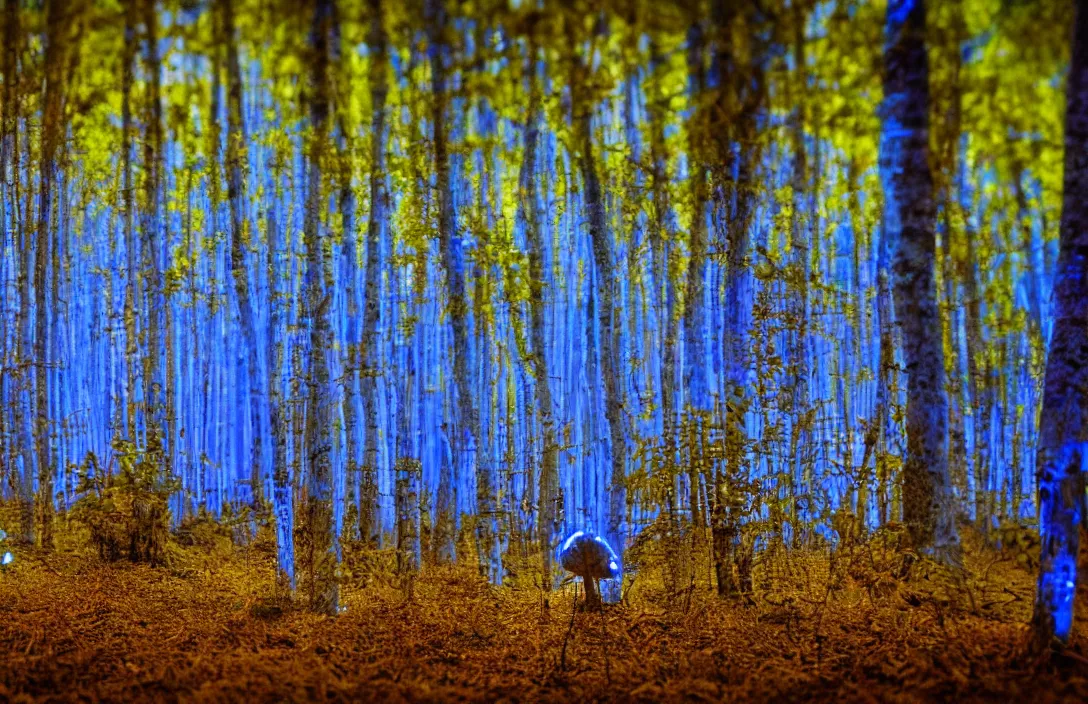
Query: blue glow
x: 570, y: 541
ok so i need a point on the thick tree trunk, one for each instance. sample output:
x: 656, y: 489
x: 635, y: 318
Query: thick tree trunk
x: 324, y: 594
x: 910, y: 220
x: 1063, y: 430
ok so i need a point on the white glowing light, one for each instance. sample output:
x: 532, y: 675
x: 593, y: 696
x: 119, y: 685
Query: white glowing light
x: 571, y: 539
x: 7, y: 559
x: 1070, y: 585
x: 613, y: 566
x: 598, y: 539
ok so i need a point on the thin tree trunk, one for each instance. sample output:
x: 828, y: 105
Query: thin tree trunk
x: 467, y: 428
x: 601, y: 239
x: 52, y: 132
x: 239, y: 242
x: 129, y: 208
x: 324, y: 596
x: 538, y: 278
x: 740, y: 99
x: 371, y: 352
x: 695, y: 383
x: 799, y: 273
x: 156, y: 298
x: 282, y: 499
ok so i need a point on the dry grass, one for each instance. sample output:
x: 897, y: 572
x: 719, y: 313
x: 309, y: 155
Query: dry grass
x: 209, y: 628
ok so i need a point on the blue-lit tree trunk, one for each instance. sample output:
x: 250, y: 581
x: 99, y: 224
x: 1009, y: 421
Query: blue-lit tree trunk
x: 529, y: 210
x: 487, y: 286
x: 128, y: 188
x: 800, y: 265
x: 466, y: 429
x: 910, y: 220
x: 695, y: 381
x: 665, y: 299
x: 239, y: 241
x: 371, y: 352
x: 1063, y: 430
x: 600, y: 237
x: 51, y: 134
x: 324, y: 591
x: 9, y: 149
x: 25, y: 439
x: 282, y: 498
x: 739, y: 100
x: 151, y: 226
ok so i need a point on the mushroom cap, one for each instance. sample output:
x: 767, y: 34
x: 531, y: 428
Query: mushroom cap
x: 588, y: 555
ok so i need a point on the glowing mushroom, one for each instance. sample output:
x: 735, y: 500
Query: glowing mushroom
x: 590, y: 557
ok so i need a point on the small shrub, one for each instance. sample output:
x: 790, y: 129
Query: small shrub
x: 126, y: 512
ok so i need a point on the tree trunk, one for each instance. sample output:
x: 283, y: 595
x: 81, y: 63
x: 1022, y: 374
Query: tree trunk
x: 129, y: 208
x: 155, y: 409
x: 538, y: 280
x: 695, y: 383
x: 799, y: 274
x: 51, y: 136
x: 601, y: 240
x: 466, y: 430
x: 739, y: 101
x: 239, y: 242
x: 1063, y: 430
x: 324, y: 594
x: 371, y: 352
x: 910, y: 220
x: 282, y: 500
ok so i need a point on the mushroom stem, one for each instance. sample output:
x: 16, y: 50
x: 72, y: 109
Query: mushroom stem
x: 593, y: 597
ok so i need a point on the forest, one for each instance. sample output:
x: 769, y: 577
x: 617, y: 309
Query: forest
x: 543, y: 350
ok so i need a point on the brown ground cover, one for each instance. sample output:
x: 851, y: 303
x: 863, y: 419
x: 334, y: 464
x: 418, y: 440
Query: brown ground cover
x: 207, y: 627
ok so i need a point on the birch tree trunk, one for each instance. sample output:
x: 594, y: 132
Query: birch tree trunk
x: 529, y: 211
x: 601, y: 240
x: 1063, y: 430
x: 739, y: 100
x: 282, y: 499
x: 128, y: 206
x: 324, y: 592
x: 799, y: 369
x: 371, y: 352
x: 698, y: 395
x: 239, y: 242
x: 910, y: 221
x: 467, y: 428
x: 155, y: 409
x: 51, y: 135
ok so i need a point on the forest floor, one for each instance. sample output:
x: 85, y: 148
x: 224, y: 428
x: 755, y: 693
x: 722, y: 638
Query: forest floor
x: 208, y: 628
